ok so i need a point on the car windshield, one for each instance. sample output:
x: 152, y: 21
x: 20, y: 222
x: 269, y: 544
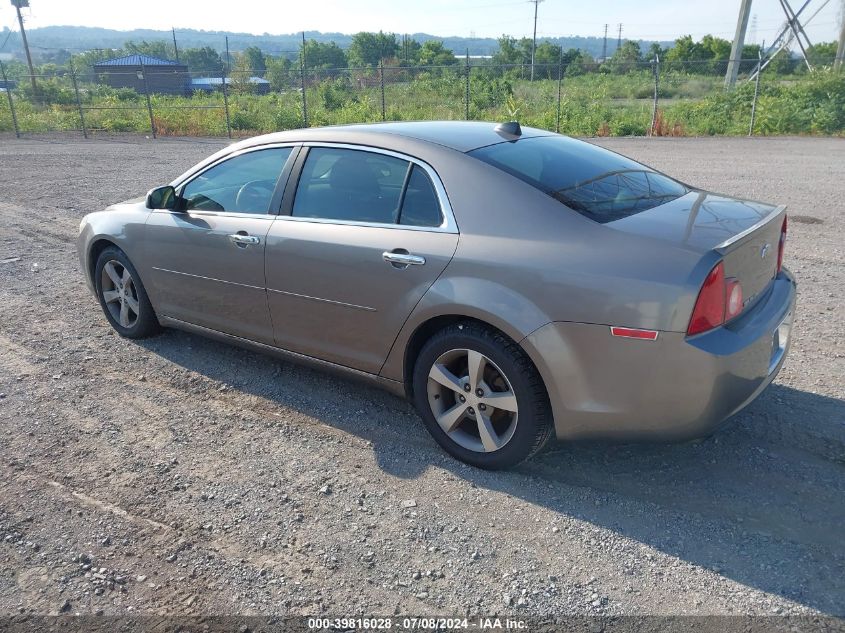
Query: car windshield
x: 595, y: 182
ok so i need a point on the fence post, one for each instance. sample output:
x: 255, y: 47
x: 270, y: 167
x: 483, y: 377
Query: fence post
x: 225, y: 88
x: 11, y: 102
x: 381, y: 81
x: 656, y: 71
x: 78, y: 100
x: 559, y: 82
x: 756, y: 93
x: 147, y: 94
x: 466, y: 98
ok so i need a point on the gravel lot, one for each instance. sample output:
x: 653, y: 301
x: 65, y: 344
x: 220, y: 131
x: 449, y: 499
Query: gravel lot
x: 181, y: 476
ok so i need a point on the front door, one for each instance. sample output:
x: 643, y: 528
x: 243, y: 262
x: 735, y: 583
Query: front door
x: 207, y: 256
x: 366, y: 235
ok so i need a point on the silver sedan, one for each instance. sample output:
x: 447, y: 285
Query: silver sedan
x: 513, y: 283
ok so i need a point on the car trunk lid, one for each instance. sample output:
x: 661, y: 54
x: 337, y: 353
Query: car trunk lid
x: 745, y: 234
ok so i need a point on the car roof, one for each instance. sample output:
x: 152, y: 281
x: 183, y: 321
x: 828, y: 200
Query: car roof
x: 463, y: 136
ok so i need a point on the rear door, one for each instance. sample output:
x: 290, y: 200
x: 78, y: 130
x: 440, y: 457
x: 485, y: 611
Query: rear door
x: 362, y: 236
x: 207, y: 256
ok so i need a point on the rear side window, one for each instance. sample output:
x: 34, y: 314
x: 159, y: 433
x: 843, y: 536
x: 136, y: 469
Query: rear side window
x: 420, y: 206
x: 353, y: 185
x: 590, y: 180
x: 360, y: 186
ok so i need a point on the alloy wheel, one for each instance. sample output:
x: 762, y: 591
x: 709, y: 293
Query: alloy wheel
x: 119, y: 294
x: 472, y: 400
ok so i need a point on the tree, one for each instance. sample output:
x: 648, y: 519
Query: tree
x: 433, y: 53
x: 823, y: 53
x: 368, y: 49
x: 254, y: 60
x: 627, y: 57
x: 324, y: 55
x: 578, y: 62
x: 782, y: 63
x: 750, y: 54
x: 718, y: 51
x: 685, y: 54
x: 158, y: 48
x: 241, y: 73
x: 280, y: 73
x: 204, y: 60
x: 656, y: 50
x: 409, y: 53
x: 546, y: 60
x: 513, y: 52
x: 508, y: 53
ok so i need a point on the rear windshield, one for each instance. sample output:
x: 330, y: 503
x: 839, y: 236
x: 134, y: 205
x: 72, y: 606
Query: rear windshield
x: 593, y: 181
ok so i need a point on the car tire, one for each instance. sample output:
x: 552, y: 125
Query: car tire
x: 497, y: 437
x: 122, y: 295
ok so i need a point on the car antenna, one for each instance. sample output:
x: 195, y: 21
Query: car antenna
x: 509, y: 127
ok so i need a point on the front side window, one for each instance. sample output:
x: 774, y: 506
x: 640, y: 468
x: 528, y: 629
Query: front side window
x: 351, y: 185
x: 595, y: 182
x: 243, y: 184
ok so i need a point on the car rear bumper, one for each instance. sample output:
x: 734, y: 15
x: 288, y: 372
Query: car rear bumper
x: 673, y: 388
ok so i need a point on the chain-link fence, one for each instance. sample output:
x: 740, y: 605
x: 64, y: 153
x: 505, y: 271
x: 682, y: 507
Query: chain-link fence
x: 636, y: 98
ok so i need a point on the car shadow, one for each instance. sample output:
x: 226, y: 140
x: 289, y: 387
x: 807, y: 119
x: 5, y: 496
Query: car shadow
x: 761, y: 502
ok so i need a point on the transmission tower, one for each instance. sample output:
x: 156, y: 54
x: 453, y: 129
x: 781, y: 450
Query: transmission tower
x: 604, y: 45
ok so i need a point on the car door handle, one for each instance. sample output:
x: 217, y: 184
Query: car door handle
x: 402, y: 258
x: 244, y: 240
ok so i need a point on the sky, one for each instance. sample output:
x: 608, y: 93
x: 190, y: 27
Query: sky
x: 641, y: 19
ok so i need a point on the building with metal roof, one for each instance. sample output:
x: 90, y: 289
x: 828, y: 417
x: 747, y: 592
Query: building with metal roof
x: 209, y: 84
x: 144, y: 74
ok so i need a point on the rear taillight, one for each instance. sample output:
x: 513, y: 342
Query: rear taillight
x: 781, y: 243
x: 719, y: 300
x: 709, y: 310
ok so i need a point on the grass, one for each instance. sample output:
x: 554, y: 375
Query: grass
x: 595, y: 104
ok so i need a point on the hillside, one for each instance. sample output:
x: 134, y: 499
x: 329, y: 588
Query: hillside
x: 47, y: 41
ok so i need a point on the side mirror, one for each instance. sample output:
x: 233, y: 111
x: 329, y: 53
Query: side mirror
x: 162, y: 198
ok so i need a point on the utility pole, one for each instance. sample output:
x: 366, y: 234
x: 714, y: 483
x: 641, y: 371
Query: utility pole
x: 840, y: 52
x: 18, y: 4
x: 604, y: 45
x: 619, y: 39
x: 534, y: 41
x: 175, y: 48
x: 738, y: 43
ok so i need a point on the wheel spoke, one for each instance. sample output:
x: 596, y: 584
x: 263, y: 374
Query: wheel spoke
x: 443, y: 376
x: 111, y: 271
x: 476, y: 362
x: 124, y: 314
x: 489, y: 438
x: 449, y: 419
x: 504, y: 400
x: 110, y: 296
x: 127, y: 278
x: 133, y: 305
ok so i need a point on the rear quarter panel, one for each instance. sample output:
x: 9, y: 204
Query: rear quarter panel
x: 524, y: 260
